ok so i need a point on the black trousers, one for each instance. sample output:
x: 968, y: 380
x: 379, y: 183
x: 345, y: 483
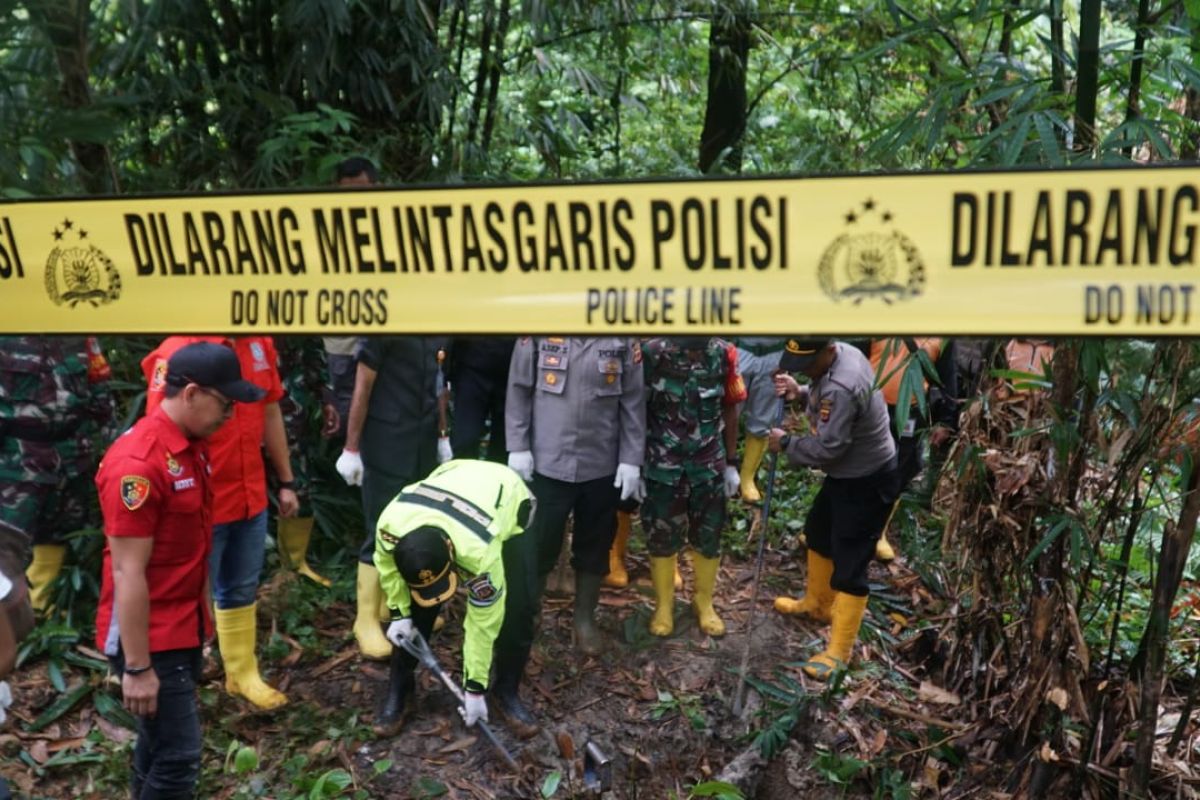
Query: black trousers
x: 478, y: 409
x: 594, y: 503
x: 845, y: 522
x: 166, y: 758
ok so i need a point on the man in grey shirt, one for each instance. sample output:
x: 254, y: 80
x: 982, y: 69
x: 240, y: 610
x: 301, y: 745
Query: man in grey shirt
x: 849, y: 440
x: 575, y: 423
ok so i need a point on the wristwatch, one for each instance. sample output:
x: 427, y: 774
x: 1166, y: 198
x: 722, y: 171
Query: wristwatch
x: 138, y: 670
x: 288, y: 485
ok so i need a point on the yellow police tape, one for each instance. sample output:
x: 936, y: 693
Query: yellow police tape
x: 1103, y: 251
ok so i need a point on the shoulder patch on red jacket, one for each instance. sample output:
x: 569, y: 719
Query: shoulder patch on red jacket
x: 135, y: 490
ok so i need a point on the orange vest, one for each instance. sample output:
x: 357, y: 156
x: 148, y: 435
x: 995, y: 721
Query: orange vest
x: 892, y: 371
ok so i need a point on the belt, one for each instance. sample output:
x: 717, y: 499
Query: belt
x: 762, y: 349
x: 40, y: 431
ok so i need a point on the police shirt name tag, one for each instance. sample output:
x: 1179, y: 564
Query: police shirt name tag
x: 185, y: 483
x: 910, y: 427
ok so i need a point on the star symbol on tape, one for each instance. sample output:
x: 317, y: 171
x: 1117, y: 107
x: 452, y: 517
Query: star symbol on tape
x: 58, y: 235
x: 67, y: 224
x: 869, y: 204
x: 850, y: 218
x: 82, y: 233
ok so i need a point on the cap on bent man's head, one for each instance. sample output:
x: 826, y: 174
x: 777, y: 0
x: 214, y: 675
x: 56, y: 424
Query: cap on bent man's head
x: 213, y: 366
x: 425, y: 559
x: 799, y: 354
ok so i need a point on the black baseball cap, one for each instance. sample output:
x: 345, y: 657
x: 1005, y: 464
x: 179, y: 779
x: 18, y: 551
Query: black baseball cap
x: 425, y: 558
x: 213, y: 366
x: 799, y: 354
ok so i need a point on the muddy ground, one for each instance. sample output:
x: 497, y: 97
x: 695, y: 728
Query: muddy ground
x: 659, y: 709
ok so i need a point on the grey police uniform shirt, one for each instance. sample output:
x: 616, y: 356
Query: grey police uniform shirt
x: 579, y: 404
x: 848, y: 421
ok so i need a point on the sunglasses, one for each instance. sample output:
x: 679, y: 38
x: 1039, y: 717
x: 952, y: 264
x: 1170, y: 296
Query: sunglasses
x: 226, y: 403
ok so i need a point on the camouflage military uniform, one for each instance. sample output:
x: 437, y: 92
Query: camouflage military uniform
x: 685, y: 453
x: 302, y: 368
x: 54, y: 405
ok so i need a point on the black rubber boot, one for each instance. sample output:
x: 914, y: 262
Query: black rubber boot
x: 587, y: 597
x: 399, y: 700
x: 506, y: 699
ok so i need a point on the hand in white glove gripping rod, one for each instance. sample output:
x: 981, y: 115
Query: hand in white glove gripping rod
x: 401, y: 630
x: 521, y: 462
x: 474, y: 708
x: 350, y: 467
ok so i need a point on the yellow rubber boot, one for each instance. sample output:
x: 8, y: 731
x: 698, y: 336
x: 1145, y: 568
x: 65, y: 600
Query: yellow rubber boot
x: 371, y: 641
x: 237, y: 630
x: 47, y: 563
x: 705, y: 570
x: 662, y: 575
x: 883, y: 549
x: 848, y: 610
x: 752, y: 456
x: 293, y: 536
x: 617, y: 575
x: 817, y: 602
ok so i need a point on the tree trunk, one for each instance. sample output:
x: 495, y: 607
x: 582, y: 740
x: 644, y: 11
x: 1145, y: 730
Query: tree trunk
x: 65, y: 24
x: 1133, y: 101
x: 725, y: 113
x: 1172, y: 558
x: 1088, y: 75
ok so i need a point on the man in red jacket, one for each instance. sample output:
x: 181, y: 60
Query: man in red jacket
x: 156, y: 497
x: 239, y: 484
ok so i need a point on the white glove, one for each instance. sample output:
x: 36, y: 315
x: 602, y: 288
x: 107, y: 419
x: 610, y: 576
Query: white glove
x: 629, y: 482
x: 733, y: 481
x: 350, y: 467
x: 444, y: 451
x: 474, y: 709
x: 521, y: 462
x: 401, y: 630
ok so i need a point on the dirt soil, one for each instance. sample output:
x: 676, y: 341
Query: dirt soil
x: 659, y: 709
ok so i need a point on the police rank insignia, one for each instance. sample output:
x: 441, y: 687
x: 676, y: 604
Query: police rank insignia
x: 174, y: 469
x: 79, y: 272
x: 134, y: 491
x: 826, y: 409
x: 872, y: 259
x: 481, y: 592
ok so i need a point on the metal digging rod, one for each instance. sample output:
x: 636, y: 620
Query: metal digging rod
x: 739, y: 694
x: 420, y: 650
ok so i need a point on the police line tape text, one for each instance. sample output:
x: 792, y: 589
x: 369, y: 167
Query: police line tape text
x: 286, y: 307
x: 743, y: 233
x: 653, y: 305
x: 1151, y: 304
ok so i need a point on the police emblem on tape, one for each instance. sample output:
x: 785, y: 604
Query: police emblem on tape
x: 174, y: 468
x: 79, y: 272
x: 481, y: 592
x: 871, y: 260
x: 134, y: 491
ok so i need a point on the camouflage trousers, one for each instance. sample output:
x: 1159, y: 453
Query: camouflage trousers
x: 47, y: 512
x: 685, y: 511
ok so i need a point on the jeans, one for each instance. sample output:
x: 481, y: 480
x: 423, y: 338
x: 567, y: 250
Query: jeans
x: 236, y: 560
x: 166, y: 758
